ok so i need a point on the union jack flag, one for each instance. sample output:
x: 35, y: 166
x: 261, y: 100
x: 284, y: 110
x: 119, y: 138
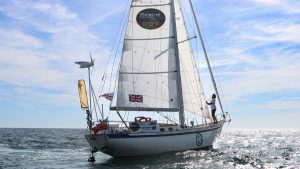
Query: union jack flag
x: 108, y: 96
x: 136, y: 98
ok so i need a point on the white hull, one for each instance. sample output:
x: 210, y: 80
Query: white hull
x: 123, y: 145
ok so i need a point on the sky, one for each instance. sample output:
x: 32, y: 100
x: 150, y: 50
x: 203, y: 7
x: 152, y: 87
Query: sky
x: 254, y: 47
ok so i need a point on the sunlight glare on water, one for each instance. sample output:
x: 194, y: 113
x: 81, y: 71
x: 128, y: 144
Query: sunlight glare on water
x: 67, y: 148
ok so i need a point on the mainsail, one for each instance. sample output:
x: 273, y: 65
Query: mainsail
x: 192, y: 90
x: 148, y: 78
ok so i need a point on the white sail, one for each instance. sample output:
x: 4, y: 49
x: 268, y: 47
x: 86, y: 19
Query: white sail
x: 148, y: 73
x: 192, y: 91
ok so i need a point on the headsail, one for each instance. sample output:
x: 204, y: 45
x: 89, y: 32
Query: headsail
x: 83, y: 95
x: 147, y: 68
x: 192, y: 90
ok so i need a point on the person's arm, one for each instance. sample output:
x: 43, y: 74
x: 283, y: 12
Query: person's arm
x: 208, y: 103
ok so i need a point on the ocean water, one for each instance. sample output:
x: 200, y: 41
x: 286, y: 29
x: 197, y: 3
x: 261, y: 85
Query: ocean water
x: 67, y: 148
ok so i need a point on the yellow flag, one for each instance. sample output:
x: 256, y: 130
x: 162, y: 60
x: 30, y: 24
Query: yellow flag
x: 82, y: 94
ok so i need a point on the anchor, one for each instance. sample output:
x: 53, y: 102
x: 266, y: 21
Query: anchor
x: 91, y: 159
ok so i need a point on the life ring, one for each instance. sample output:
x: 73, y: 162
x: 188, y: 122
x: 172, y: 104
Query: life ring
x: 134, y: 126
x: 141, y: 118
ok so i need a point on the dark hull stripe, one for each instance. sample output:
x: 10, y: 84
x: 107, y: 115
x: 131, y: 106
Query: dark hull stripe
x: 160, y: 135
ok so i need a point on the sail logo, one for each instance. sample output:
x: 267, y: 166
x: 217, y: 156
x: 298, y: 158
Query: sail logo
x: 150, y: 18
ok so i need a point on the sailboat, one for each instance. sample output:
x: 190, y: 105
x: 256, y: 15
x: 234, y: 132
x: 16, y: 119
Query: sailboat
x: 157, y: 74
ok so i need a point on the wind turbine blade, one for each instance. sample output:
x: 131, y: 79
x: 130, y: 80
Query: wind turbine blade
x: 91, y: 57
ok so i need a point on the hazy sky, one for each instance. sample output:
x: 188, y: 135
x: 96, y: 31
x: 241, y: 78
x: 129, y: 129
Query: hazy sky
x: 254, y: 46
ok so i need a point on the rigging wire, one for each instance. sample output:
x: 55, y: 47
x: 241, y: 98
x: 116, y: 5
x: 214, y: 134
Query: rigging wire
x: 120, y: 28
x: 120, y: 34
x: 213, y: 66
x: 116, y: 53
x: 207, y: 60
x: 167, y: 117
x: 103, y: 80
x: 95, y: 107
x: 192, y: 26
x: 96, y: 103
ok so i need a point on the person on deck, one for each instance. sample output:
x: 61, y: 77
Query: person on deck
x: 213, y: 107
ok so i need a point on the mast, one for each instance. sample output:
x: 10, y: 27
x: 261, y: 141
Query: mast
x: 180, y: 98
x: 90, y: 95
x: 206, y: 57
x: 90, y: 118
x: 85, y: 64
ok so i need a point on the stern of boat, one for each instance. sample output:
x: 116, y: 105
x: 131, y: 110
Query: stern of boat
x: 96, y: 141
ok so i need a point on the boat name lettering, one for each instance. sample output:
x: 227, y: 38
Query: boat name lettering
x: 150, y: 18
